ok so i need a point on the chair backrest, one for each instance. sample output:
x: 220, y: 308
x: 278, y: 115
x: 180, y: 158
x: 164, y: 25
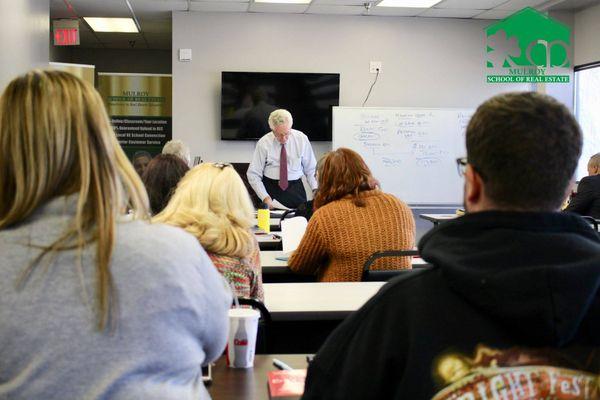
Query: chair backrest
x: 264, y: 322
x: 592, y: 221
x: 385, y: 275
x: 265, y: 315
x: 287, y: 214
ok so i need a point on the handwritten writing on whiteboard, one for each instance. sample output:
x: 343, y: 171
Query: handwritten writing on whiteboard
x: 411, y: 151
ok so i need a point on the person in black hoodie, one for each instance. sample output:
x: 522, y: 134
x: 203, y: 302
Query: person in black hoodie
x: 511, y: 307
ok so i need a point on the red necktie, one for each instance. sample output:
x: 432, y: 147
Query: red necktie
x: 283, y: 179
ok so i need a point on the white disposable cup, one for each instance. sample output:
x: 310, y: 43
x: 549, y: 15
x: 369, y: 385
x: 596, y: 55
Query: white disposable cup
x: 241, y: 345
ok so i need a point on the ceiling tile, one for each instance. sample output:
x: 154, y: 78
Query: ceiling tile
x: 573, y: 5
x: 339, y: 2
x: 471, y: 4
x: 450, y: 13
x: 219, y: 6
x: 116, y: 41
x: 516, y: 5
x: 154, y: 6
x: 278, y: 8
x: 87, y: 37
x: 494, y: 14
x: 221, y: 1
x: 105, y: 8
x: 156, y: 25
x: 336, y: 10
x: 158, y: 41
x: 396, y: 11
x: 58, y: 9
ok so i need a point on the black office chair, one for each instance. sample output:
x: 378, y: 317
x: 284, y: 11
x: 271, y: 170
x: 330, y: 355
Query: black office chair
x: 241, y: 169
x: 286, y: 214
x: 592, y: 221
x: 385, y: 275
x: 263, y: 323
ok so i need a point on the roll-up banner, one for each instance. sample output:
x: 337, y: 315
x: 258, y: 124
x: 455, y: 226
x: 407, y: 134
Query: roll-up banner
x: 83, y: 71
x: 139, y: 106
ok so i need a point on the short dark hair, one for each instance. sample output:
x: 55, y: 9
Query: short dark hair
x: 161, y: 178
x: 525, y: 146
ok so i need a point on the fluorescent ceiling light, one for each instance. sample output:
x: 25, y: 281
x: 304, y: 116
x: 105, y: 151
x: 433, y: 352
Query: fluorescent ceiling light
x: 284, y: 1
x: 408, y: 3
x: 112, y: 24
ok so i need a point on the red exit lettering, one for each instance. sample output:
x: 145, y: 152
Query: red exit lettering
x: 65, y: 36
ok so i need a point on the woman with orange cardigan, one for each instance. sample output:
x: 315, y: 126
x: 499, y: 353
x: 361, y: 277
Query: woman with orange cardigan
x: 353, y: 219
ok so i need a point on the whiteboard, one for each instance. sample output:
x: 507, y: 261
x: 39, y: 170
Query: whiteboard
x: 411, y: 151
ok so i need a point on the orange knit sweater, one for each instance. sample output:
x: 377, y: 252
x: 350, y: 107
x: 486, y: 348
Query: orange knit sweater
x: 341, y: 236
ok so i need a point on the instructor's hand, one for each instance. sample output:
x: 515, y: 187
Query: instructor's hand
x: 267, y: 200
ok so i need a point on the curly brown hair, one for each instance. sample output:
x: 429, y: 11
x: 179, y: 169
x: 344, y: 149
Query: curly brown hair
x: 344, y: 173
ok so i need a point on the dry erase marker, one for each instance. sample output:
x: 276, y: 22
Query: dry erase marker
x: 281, y: 365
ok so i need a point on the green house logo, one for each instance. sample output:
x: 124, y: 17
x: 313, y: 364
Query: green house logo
x: 528, y: 46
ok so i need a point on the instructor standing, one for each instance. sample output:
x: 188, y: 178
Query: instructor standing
x: 280, y: 159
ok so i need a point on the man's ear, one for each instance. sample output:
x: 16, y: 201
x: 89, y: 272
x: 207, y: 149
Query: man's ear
x: 474, y: 191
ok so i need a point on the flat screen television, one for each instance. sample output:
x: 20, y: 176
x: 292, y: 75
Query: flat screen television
x: 247, y: 99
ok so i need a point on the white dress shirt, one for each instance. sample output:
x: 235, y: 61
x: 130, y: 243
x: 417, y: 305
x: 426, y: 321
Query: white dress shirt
x: 265, y: 162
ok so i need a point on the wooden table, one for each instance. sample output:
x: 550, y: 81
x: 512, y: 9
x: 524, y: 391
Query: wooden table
x: 251, y: 384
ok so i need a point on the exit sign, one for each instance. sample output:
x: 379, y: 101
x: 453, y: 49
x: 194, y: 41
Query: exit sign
x: 66, y: 32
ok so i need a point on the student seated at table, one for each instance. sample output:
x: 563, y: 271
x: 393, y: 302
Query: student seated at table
x: 212, y: 203
x: 511, y: 307
x: 92, y: 307
x: 160, y: 179
x: 353, y: 219
x: 587, y: 199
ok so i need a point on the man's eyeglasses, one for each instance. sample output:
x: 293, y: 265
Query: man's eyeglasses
x: 461, y: 165
x: 222, y: 165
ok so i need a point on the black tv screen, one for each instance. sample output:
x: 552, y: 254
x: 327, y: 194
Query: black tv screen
x: 247, y: 99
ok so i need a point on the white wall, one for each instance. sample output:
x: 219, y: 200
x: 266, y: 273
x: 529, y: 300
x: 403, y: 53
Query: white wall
x: 563, y: 92
x: 587, y: 35
x: 24, y: 31
x: 427, y: 62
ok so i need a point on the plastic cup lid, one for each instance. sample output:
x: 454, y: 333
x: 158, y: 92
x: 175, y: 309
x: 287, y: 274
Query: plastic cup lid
x: 244, y: 313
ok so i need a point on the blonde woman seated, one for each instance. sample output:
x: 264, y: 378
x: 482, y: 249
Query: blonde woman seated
x: 352, y: 220
x: 91, y: 307
x: 212, y: 203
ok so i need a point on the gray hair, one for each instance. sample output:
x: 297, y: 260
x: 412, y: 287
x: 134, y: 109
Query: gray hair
x: 179, y: 149
x: 594, y: 160
x: 280, y: 117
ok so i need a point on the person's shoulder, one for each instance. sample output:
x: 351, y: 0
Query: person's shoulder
x: 329, y: 209
x: 266, y: 138
x: 156, y: 245
x: 406, y: 286
x: 392, y: 199
x: 590, y: 180
x: 299, y: 134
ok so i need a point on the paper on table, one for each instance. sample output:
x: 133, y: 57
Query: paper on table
x: 277, y: 205
x: 292, y: 231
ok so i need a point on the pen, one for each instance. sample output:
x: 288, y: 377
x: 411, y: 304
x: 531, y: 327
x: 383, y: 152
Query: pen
x: 281, y: 365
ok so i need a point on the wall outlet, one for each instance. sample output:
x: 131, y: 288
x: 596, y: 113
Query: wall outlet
x: 374, y: 66
x: 185, y: 54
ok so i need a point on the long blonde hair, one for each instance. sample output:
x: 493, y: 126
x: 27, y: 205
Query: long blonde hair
x: 56, y: 140
x: 212, y: 203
